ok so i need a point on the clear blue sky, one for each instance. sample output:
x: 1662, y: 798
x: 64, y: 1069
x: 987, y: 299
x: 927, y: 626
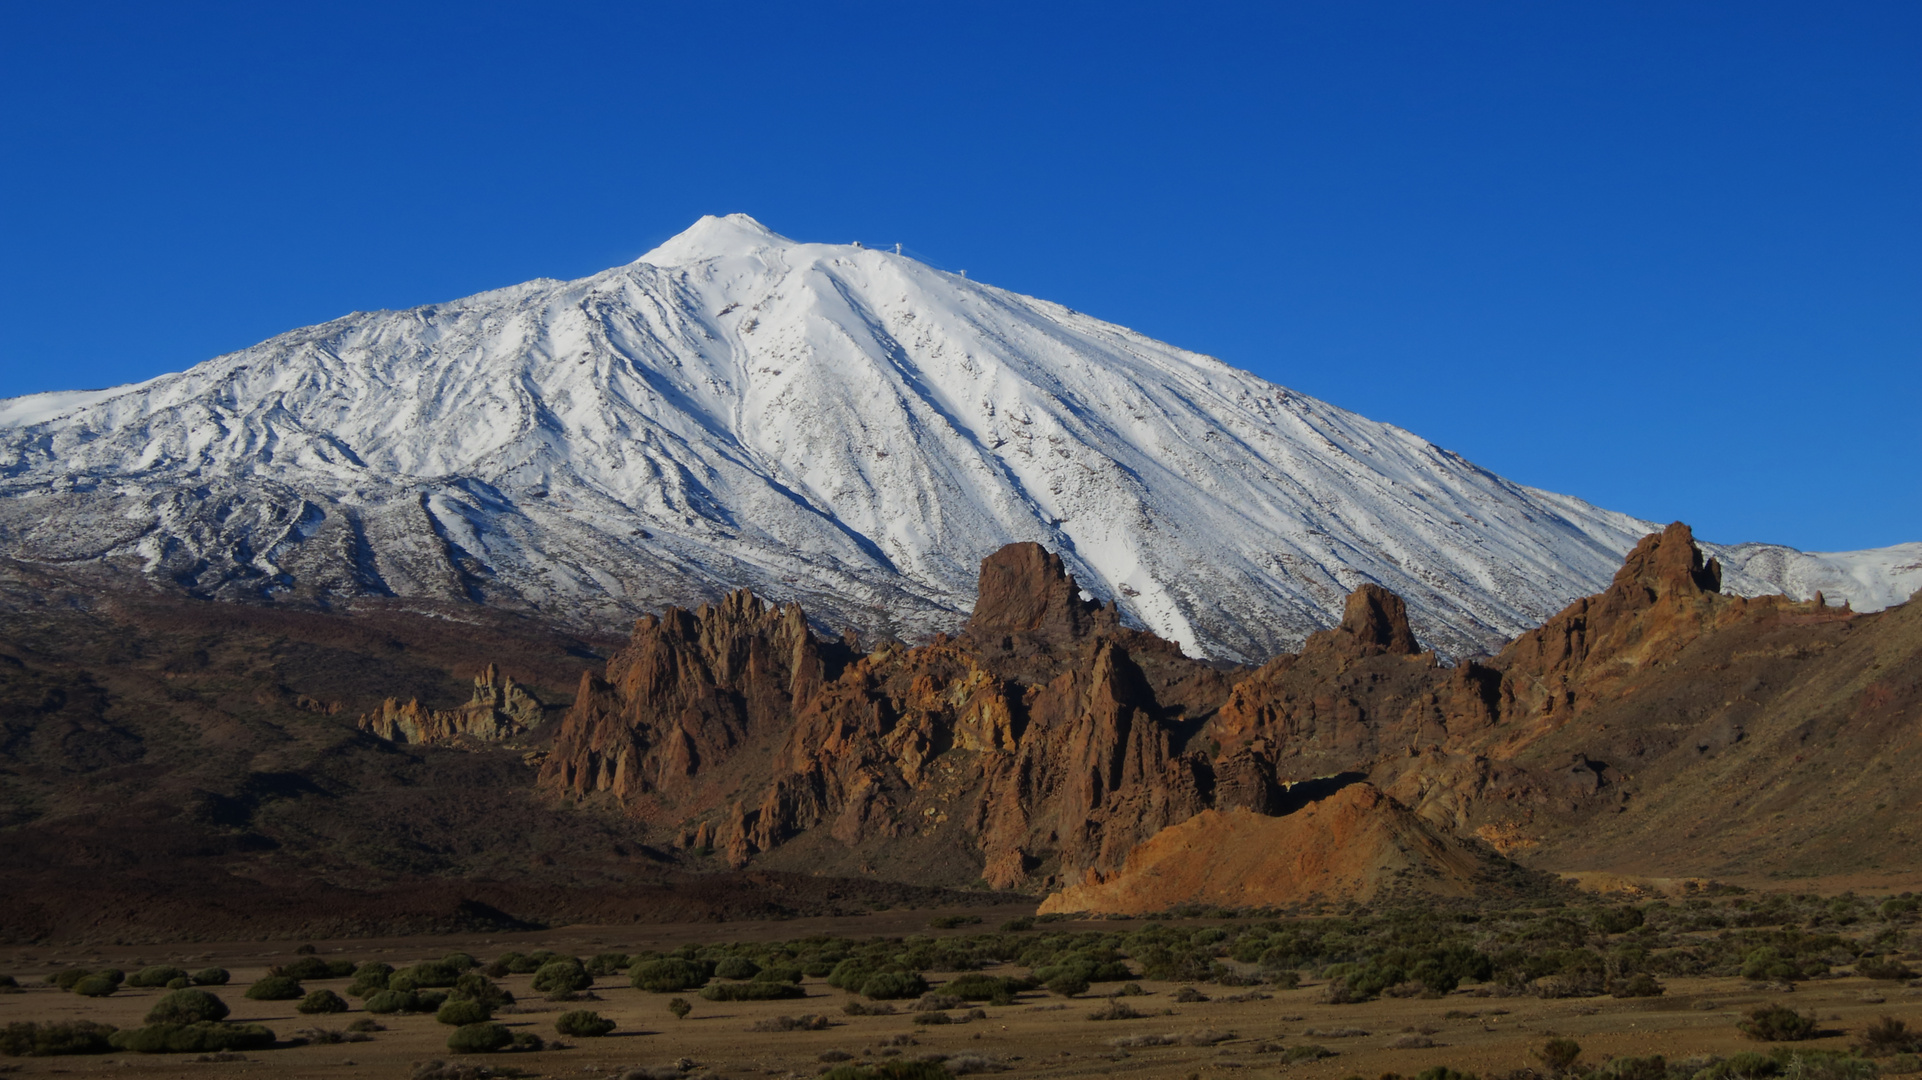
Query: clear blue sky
x: 1664, y: 256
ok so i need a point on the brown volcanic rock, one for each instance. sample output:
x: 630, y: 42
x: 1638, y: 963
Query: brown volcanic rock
x: 1026, y: 589
x: 499, y: 710
x: 1356, y: 844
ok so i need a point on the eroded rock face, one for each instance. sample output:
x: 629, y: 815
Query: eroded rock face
x: 498, y: 711
x: 1046, y: 742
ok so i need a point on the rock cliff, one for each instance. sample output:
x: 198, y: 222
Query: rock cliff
x: 498, y: 711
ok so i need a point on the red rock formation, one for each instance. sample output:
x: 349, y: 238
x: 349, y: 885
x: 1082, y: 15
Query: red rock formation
x: 498, y: 711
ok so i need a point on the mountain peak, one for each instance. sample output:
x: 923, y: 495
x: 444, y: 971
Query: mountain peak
x: 715, y: 238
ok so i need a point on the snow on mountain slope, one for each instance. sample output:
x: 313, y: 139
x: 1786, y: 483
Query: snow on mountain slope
x: 833, y: 424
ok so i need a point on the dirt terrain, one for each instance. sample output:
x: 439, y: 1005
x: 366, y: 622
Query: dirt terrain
x: 1040, y: 1035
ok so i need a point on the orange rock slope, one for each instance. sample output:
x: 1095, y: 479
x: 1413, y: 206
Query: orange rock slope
x: 1354, y: 844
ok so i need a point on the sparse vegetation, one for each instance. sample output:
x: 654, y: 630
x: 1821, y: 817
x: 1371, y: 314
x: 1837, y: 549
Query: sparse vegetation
x: 680, y: 1007
x: 201, y: 1038
x: 321, y: 1001
x: 560, y: 976
x: 668, y: 975
x: 463, y: 1013
x: 55, y: 1039
x: 751, y: 991
x: 1777, y: 1023
x: 161, y: 975
x: 582, y: 1024
x: 187, y: 1007
x: 804, y: 1022
x: 480, y: 1038
x: 276, y: 988
x: 1888, y: 1037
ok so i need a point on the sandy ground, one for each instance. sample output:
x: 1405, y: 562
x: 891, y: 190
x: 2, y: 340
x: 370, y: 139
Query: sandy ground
x: 1042, y: 1035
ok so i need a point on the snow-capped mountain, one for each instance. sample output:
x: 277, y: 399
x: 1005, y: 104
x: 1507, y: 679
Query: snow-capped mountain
x: 834, y: 424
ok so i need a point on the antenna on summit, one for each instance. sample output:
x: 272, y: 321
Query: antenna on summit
x: 897, y: 249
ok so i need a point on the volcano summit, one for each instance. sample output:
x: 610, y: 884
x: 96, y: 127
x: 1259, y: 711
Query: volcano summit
x: 829, y: 424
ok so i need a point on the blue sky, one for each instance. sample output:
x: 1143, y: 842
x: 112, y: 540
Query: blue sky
x: 1666, y: 257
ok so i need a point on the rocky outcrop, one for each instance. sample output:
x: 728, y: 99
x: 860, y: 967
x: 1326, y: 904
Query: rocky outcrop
x: 1046, y: 743
x: 1355, y: 844
x: 498, y: 711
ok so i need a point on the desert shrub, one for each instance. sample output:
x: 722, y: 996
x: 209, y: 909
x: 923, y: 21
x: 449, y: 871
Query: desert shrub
x: 780, y: 973
x: 1653, y: 1067
x: 934, y: 1001
x: 751, y: 991
x: 1889, y: 1036
x: 1640, y: 984
x: 1285, y: 979
x: 55, y: 1039
x: 1767, y: 964
x: 276, y: 988
x: 858, y: 1008
x: 1443, y: 1072
x: 1883, y: 967
x: 609, y: 963
x: 1114, y: 1010
x: 95, y: 986
x: 463, y: 1013
x: 680, y: 1007
x: 1188, y: 995
x: 804, y: 1022
x: 1068, y: 985
x: 1777, y: 1023
x: 1558, y: 1055
x: 736, y: 967
x: 557, y: 976
x: 933, y: 1018
x: 1412, y: 1042
x: 893, y: 986
x: 1018, y: 924
x: 1206, y: 1037
x: 1903, y: 1064
x: 366, y: 1024
x: 307, y: 967
x: 1747, y: 1065
x: 1305, y: 1052
x: 369, y: 977
x: 473, y: 986
x: 582, y: 1024
x: 967, y: 1064
x: 460, y: 961
x: 434, y: 973
x: 999, y: 989
x: 482, y: 1038
x: 72, y: 977
x: 8, y: 984
x: 382, y: 1002
x: 202, y: 1038
x: 321, y: 1001
x: 667, y: 975
x: 187, y: 1007
x: 179, y: 984
x: 158, y: 975
x: 889, y: 1070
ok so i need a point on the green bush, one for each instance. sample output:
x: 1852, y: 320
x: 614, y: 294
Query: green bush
x: 1640, y: 984
x: 473, y: 986
x: 321, y: 1001
x: 1559, y: 1055
x: 1777, y: 1023
x: 752, y: 991
x: 893, y: 986
x: 460, y: 961
x: 484, y: 1038
x: 1889, y: 1036
x: 667, y: 976
x: 392, y: 1001
x: 780, y: 973
x: 95, y: 986
x: 1018, y: 924
x: 582, y: 1024
x: 976, y: 987
x: 55, y: 1039
x: 68, y: 979
x: 609, y: 963
x: 680, y: 1007
x: 179, y: 984
x: 1883, y: 967
x: 204, y: 1038
x: 562, y: 976
x: 307, y: 967
x: 435, y: 973
x: 276, y: 988
x: 187, y: 1007
x: 158, y: 975
x: 736, y: 967
x: 463, y: 1013
x: 1068, y: 985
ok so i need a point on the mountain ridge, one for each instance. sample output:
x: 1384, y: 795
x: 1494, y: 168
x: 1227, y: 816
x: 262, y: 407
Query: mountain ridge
x: 828, y: 424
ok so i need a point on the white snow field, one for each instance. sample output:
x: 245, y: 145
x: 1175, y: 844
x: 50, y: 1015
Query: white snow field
x: 832, y: 424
